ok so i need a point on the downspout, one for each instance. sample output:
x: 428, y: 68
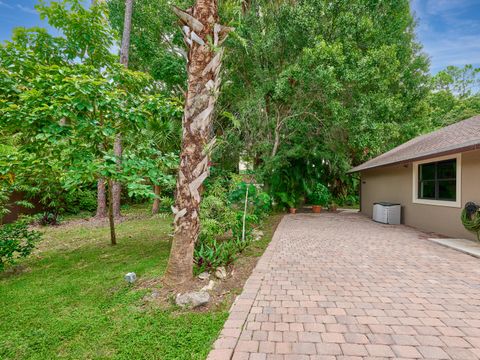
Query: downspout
x: 360, y: 194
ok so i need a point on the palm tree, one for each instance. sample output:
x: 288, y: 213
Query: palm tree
x: 204, y: 37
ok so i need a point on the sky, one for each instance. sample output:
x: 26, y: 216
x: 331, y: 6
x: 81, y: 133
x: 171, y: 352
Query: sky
x: 448, y: 29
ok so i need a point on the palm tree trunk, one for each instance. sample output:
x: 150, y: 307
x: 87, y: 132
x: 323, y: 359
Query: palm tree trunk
x: 127, y: 28
x: 200, y: 25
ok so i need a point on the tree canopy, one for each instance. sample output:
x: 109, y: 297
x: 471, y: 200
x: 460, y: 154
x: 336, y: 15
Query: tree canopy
x: 316, y: 87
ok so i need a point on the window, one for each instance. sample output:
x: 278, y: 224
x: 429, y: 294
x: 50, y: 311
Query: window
x: 437, y: 181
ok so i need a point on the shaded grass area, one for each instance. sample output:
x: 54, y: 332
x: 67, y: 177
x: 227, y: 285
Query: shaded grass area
x: 69, y: 300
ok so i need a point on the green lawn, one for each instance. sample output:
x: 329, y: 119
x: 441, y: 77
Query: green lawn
x: 71, y: 300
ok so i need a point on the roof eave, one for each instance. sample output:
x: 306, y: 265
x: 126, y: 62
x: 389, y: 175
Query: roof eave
x: 417, y: 158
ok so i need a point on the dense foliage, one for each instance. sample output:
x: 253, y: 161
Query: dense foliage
x: 16, y: 241
x: 455, y: 95
x: 157, y: 44
x: 320, y: 196
x: 65, y: 98
x: 230, y: 212
x: 319, y: 86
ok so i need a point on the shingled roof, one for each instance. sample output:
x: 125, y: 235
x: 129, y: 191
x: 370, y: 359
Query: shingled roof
x: 459, y: 137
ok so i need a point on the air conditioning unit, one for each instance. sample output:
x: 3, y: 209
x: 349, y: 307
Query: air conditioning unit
x: 387, y: 213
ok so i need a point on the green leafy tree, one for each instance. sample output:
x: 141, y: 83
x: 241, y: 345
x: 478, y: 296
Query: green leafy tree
x: 63, y: 102
x: 455, y: 95
x: 318, y: 86
x: 157, y: 46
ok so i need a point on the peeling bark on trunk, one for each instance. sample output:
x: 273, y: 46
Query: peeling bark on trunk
x: 101, y: 200
x: 200, y: 25
x: 156, y: 201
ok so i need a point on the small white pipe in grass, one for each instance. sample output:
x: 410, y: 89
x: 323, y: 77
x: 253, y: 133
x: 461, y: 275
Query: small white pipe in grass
x: 245, y: 213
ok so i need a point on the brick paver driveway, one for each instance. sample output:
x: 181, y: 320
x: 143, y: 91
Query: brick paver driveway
x: 339, y: 286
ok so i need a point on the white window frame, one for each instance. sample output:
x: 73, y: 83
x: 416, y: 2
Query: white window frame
x: 458, y: 202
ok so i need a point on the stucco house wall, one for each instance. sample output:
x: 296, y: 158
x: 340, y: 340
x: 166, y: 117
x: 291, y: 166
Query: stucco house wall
x: 395, y: 184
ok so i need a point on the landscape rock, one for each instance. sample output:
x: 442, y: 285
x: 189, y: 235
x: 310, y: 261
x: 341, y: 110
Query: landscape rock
x: 130, y: 277
x: 204, y: 275
x: 208, y: 287
x: 193, y: 299
x: 257, y: 234
x: 155, y: 294
x: 221, y: 273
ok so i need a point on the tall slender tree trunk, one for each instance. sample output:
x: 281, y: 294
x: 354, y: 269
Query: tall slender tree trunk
x: 127, y: 29
x: 111, y: 220
x: 276, y: 141
x: 101, y: 199
x: 200, y: 28
x: 101, y: 194
x: 117, y: 186
x: 156, y: 201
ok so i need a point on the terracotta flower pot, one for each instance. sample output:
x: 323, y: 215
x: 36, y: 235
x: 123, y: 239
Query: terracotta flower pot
x: 316, y: 209
x: 292, y: 210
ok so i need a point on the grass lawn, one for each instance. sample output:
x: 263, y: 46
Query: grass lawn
x: 70, y: 301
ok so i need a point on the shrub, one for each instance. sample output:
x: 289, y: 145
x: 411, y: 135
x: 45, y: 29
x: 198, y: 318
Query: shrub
x: 320, y: 196
x: 217, y: 216
x: 16, y: 241
x: 348, y: 200
x: 287, y: 200
x: 166, y: 203
x: 222, y: 213
x: 81, y: 200
x: 259, y: 202
x: 210, y: 255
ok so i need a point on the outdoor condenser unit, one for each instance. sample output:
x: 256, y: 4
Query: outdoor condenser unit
x: 387, y: 213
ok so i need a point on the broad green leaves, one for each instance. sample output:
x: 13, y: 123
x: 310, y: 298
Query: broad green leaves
x: 323, y: 85
x: 64, y: 98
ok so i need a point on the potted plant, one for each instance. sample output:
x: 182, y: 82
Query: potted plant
x: 320, y: 197
x: 292, y: 202
x: 292, y: 208
x: 289, y: 200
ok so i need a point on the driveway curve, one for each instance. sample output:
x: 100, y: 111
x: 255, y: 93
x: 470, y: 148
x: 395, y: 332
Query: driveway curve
x: 339, y: 286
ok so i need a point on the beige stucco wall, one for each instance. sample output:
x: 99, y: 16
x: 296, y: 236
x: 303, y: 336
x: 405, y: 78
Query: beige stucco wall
x: 394, y: 184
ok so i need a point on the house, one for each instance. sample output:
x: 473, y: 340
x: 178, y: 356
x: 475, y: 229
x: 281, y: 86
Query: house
x: 432, y: 176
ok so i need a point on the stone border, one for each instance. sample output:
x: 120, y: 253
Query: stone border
x: 226, y: 343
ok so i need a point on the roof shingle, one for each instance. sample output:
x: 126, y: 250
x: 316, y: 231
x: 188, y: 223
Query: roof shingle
x: 458, y: 137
